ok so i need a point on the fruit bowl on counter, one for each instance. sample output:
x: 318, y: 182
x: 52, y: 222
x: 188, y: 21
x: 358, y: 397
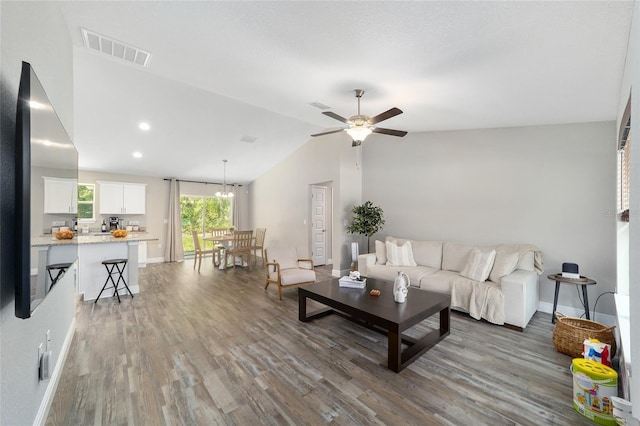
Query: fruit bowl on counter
x: 67, y: 234
x: 119, y: 233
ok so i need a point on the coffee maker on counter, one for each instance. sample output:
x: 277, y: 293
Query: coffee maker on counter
x: 113, y: 223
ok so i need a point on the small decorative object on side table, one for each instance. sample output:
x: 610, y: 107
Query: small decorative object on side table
x: 582, y: 281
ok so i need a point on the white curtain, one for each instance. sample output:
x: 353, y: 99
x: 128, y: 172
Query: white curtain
x: 173, y: 251
x: 235, y: 211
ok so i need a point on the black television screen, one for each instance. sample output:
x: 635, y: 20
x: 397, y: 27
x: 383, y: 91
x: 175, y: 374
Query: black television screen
x: 43, y: 147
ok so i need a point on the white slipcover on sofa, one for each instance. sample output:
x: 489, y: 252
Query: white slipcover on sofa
x: 496, y: 283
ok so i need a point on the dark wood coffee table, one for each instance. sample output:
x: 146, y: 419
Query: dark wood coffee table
x: 382, y: 314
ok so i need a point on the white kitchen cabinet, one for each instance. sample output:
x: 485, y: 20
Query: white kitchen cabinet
x: 122, y: 198
x: 60, y: 195
x: 134, y: 198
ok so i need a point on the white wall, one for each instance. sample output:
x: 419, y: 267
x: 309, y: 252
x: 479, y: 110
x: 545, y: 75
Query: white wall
x: 279, y: 200
x: 630, y: 84
x: 552, y: 186
x: 34, y: 32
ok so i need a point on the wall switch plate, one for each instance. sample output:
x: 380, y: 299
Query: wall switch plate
x: 48, y: 345
x: 133, y: 222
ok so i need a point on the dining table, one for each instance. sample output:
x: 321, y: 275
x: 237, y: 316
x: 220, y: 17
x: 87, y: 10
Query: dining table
x: 226, y: 242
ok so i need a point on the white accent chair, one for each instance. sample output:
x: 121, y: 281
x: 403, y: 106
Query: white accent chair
x: 285, y: 269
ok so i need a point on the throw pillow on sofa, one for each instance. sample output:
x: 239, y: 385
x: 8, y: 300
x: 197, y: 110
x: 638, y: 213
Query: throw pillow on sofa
x: 381, y: 253
x: 479, y: 265
x: 400, y: 255
x: 506, y: 262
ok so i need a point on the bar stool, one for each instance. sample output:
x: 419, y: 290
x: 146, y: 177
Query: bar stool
x: 60, y: 267
x: 114, y: 266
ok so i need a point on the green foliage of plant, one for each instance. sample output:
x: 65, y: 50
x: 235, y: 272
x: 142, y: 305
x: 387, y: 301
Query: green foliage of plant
x: 367, y: 220
x: 202, y: 214
x: 85, y: 192
x: 85, y: 201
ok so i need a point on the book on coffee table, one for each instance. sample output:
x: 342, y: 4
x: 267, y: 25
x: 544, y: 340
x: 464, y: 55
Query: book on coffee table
x: 351, y: 283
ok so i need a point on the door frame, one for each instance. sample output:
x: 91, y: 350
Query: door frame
x: 328, y: 220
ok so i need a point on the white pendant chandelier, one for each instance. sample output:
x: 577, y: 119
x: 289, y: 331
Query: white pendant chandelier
x: 224, y: 193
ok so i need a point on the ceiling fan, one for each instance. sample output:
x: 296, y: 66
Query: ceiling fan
x: 361, y: 126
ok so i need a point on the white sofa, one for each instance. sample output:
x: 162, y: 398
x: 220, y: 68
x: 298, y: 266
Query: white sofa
x: 505, y: 288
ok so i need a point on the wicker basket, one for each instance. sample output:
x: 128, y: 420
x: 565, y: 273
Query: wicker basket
x: 570, y: 334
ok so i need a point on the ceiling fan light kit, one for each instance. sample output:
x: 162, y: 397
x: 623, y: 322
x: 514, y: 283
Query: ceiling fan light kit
x: 361, y: 126
x: 359, y: 133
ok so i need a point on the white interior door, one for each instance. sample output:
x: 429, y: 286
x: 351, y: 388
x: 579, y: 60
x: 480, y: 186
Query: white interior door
x: 318, y: 225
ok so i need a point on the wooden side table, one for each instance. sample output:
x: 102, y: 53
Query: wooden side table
x: 582, y: 281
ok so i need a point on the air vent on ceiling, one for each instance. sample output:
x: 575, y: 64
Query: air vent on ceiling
x: 115, y: 48
x: 248, y: 139
x: 319, y: 105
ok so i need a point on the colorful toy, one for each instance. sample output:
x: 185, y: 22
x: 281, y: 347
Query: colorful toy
x: 594, y: 384
x: 595, y: 350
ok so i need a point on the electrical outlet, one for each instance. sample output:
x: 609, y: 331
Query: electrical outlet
x: 133, y: 222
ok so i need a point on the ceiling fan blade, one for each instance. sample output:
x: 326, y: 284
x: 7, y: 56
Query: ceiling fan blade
x: 328, y: 132
x: 335, y: 116
x: 391, y: 132
x: 384, y: 116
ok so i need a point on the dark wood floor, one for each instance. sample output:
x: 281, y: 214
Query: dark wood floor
x: 216, y: 348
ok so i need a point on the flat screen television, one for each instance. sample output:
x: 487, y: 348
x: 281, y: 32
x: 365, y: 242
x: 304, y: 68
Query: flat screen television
x: 43, y: 147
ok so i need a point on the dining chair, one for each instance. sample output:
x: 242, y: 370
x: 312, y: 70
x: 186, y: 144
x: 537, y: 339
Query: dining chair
x: 219, y: 232
x: 217, y: 245
x: 258, y: 243
x: 285, y: 269
x: 200, y: 252
x: 241, y: 246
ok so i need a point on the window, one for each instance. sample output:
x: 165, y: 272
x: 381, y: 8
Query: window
x: 86, y: 201
x: 624, y: 167
x: 202, y: 214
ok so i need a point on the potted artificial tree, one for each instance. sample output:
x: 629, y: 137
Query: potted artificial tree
x: 367, y: 220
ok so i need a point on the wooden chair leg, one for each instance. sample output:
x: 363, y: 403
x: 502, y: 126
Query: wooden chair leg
x: 279, y: 292
x: 199, y: 262
x: 266, y: 285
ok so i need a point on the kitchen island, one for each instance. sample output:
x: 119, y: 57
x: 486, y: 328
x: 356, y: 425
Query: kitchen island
x: 92, y: 250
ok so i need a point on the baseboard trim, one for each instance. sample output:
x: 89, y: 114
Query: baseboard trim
x: 577, y: 312
x: 155, y: 260
x: 45, y: 405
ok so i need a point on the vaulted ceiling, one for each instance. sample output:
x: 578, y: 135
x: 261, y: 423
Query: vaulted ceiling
x: 222, y: 73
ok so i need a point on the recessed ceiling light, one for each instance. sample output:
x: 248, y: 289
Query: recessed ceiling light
x: 144, y: 126
x: 137, y: 154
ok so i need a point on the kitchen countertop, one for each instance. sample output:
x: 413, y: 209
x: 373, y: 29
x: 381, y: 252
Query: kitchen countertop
x: 91, y: 239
